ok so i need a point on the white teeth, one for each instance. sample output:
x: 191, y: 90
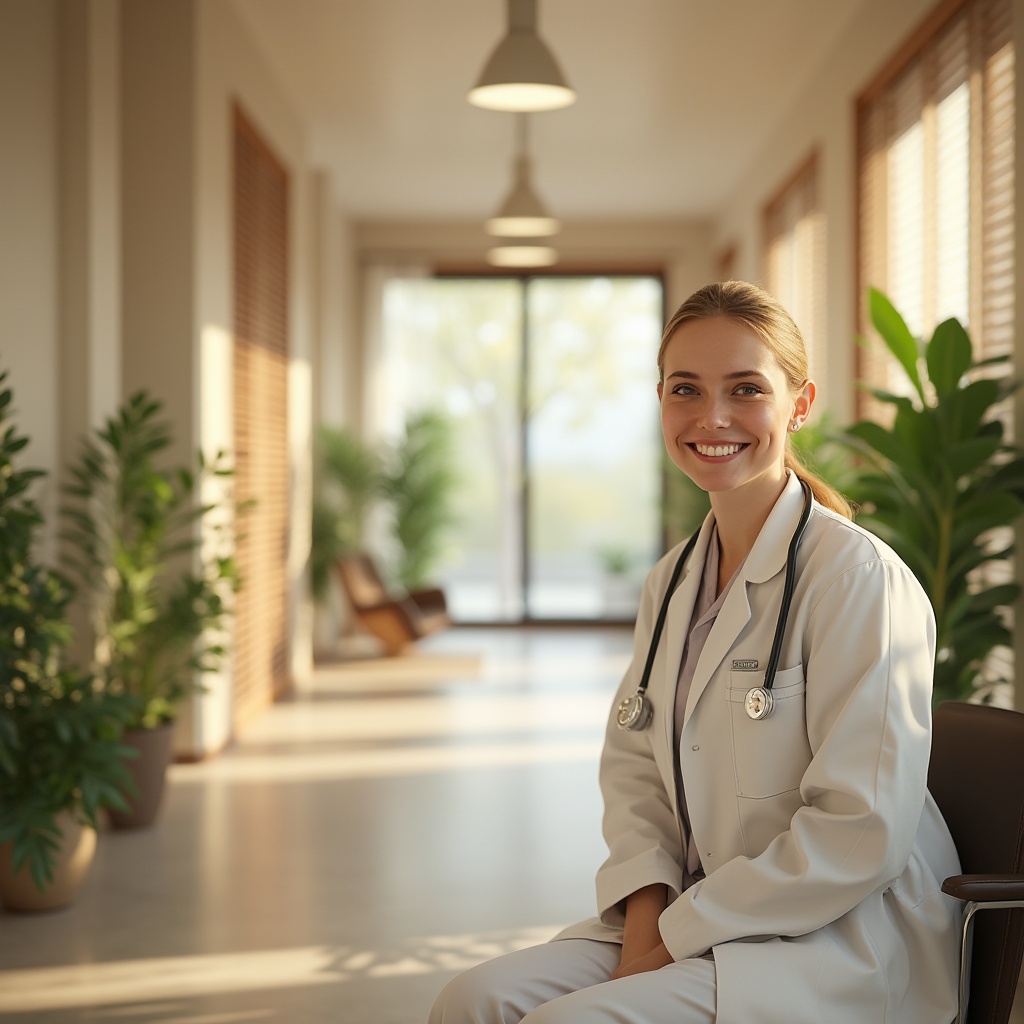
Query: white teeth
x: 718, y: 450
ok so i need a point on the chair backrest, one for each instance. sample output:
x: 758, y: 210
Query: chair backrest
x: 361, y: 580
x: 976, y: 775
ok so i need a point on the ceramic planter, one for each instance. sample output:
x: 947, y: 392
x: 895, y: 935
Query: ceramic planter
x: 78, y: 845
x: 149, y: 771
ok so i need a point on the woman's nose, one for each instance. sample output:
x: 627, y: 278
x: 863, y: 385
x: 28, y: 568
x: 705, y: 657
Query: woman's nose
x: 714, y: 414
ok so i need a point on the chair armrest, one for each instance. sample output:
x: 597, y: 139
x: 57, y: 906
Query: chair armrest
x: 985, y: 888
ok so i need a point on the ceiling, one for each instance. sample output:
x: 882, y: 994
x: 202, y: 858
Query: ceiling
x: 675, y: 99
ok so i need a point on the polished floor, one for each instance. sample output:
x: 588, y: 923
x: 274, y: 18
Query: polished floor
x: 394, y: 823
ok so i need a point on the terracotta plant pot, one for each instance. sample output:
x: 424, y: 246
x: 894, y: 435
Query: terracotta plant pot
x: 77, y: 847
x: 149, y: 770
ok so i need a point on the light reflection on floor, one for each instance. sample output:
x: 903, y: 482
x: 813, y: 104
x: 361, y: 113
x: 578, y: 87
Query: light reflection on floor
x: 157, y: 980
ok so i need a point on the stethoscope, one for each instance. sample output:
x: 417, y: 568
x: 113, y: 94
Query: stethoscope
x: 634, y: 713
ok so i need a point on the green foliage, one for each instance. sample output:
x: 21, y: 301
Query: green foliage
x: 936, y: 483
x: 349, y: 477
x: 59, y: 732
x: 130, y: 519
x: 411, y: 480
x: 418, y: 481
x: 615, y: 559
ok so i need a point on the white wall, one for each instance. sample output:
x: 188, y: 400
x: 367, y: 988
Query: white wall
x: 823, y: 119
x: 29, y: 273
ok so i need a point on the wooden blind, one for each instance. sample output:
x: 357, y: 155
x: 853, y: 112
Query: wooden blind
x: 794, y: 257
x: 261, y: 419
x: 935, y: 184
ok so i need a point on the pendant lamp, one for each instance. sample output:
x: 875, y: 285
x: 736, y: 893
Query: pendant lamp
x: 521, y: 73
x: 522, y: 255
x: 522, y: 214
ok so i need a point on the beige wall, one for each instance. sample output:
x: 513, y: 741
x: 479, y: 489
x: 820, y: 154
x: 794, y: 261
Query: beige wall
x: 29, y: 271
x: 185, y: 66
x: 116, y: 240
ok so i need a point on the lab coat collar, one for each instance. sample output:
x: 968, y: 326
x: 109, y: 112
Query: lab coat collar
x: 767, y: 557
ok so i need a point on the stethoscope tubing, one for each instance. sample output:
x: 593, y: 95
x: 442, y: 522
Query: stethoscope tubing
x: 787, y: 599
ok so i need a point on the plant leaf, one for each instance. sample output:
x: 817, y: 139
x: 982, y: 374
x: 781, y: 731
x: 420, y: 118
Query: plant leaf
x: 896, y: 335
x: 948, y: 356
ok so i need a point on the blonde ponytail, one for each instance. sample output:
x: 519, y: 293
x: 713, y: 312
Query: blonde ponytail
x: 824, y: 493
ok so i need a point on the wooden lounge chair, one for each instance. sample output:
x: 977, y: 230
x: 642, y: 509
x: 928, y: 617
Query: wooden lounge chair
x: 396, y: 620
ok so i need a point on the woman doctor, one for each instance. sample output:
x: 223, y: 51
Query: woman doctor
x: 774, y: 854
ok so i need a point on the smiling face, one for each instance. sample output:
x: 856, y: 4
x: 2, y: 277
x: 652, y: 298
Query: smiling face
x: 726, y: 409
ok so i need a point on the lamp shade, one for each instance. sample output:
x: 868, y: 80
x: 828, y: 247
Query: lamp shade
x: 522, y: 73
x: 522, y: 256
x: 522, y: 215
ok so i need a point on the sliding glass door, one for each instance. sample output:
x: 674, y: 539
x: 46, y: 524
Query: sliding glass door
x: 549, y: 383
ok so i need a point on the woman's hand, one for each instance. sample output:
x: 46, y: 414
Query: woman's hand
x: 654, y: 960
x: 642, y: 948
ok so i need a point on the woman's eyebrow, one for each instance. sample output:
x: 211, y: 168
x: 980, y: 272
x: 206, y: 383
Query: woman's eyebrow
x: 690, y: 375
x: 745, y: 373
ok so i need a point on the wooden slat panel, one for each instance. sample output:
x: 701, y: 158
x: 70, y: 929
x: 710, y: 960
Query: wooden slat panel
x: 261, y: 420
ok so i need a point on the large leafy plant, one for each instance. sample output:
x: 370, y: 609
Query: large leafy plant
x: 133, y: 525
x: 942, y: 485
x: 59, y: 731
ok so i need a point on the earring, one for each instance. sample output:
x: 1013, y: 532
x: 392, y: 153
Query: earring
x: 794, y: 427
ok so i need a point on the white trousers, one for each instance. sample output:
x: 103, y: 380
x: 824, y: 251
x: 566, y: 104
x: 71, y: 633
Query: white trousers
x: 566, y: 982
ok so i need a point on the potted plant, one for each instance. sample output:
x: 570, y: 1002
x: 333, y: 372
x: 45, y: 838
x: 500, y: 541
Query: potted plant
x: 943, y: 486
x: 409, y: 482
x: 60, y: 756
x: 158, y: 594
x: 418, y: 482
x: 349, y: 477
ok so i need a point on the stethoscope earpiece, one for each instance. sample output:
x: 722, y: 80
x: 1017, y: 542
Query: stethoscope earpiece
x: 635, y: 712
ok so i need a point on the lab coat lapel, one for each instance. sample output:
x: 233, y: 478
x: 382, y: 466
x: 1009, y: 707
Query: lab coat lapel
x: 765, y: 561
x: 677, y: 625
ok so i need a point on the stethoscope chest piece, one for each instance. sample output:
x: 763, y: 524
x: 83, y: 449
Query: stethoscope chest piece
x: 634, y: 713
x: 758, y: 703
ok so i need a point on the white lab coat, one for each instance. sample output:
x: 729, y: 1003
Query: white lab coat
x: 824, y: 851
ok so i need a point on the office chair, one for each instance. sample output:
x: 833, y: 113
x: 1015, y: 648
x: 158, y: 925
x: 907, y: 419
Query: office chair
x: 976, y: 776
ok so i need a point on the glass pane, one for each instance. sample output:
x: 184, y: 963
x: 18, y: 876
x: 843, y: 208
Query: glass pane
x: 455, y: 345
x: 593, y: 444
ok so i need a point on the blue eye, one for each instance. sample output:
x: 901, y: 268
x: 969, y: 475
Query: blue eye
x: 749, y: 389
x: 684, y: 389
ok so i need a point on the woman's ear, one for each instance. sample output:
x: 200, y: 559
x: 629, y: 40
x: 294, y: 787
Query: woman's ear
x: 803, y: 402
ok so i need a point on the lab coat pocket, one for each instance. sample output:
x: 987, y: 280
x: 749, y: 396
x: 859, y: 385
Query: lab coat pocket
x: 770, y: 754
